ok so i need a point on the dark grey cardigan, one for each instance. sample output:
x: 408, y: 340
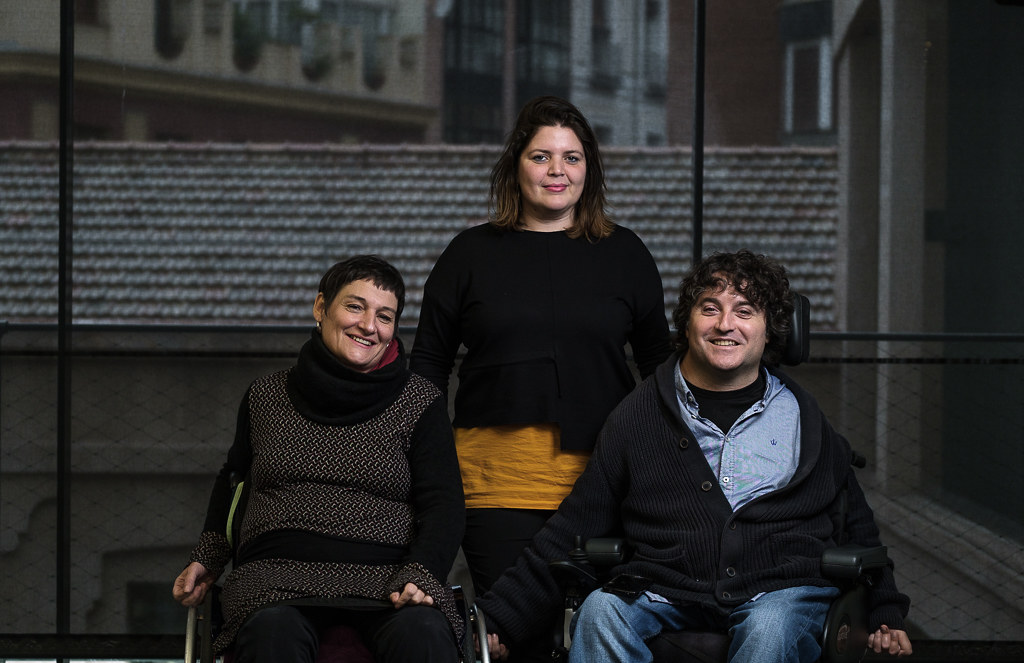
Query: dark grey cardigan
x: 648, y: 480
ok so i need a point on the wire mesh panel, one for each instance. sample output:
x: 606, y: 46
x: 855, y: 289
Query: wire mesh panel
x: 152, y: 420
x: 150, y: 428
x: 943, y: 476
x: 28, y: 488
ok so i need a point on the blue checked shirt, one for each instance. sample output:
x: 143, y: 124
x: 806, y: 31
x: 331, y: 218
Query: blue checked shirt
x: 759, y: 453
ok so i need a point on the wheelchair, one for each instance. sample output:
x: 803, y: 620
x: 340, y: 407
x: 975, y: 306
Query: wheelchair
x: 846, y: 630
x: 338, y: 644
x: 852, y: 567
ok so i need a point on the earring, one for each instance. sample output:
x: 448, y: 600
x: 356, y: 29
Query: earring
x: 319, y: 328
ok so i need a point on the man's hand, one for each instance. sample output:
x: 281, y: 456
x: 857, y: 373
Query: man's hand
x: 191, y: 585
x: 499, y: 652
x: 411, y: 595
x: 893, y: 641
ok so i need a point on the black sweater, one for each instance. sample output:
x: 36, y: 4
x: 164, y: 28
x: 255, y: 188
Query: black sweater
x: 355, y: 489
x: 324, y: 391
x: 648, y: 480
x: 545, y: 320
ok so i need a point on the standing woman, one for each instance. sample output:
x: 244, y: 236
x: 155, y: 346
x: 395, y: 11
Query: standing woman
x: 544, y: 298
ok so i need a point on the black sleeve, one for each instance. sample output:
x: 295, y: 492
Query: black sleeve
x: 238, y: 461
x: 439, y: 334
x: 887, y: 605
x: 437, y: 495
x: 650, y: 339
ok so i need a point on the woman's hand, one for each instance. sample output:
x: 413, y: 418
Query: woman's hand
x: 191, y: 585
x: 411, y: 595
x: 889, y: 640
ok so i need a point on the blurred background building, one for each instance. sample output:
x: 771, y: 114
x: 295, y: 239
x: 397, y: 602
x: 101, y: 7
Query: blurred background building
x: 399, y: 71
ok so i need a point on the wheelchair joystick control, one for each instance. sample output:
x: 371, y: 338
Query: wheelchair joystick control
x: 578, y: 554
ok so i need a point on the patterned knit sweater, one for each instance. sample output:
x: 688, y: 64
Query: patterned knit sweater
x: 354, y: 490
x: 648, y: 480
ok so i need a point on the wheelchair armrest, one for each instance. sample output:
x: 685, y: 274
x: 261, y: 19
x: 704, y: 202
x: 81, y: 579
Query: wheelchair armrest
x: 851, y: 562
x: 587, y: 562
x: 605, y: 552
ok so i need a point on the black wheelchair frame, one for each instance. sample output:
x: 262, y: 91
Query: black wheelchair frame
x: 844, y: 639
x: 204, y: 620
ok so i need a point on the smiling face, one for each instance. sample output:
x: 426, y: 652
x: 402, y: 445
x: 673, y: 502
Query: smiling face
x: 359, y: 324
x: 726, y: 336
x: 552, y: 172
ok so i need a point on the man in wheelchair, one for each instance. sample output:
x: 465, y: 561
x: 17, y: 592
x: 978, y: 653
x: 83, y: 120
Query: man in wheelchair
x: 726, y: 481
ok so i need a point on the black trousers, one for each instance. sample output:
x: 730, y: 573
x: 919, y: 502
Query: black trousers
x: 288, y: 633
x: 493, y: 541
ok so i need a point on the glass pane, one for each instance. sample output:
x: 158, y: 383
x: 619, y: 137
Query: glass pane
x: 228, y: 151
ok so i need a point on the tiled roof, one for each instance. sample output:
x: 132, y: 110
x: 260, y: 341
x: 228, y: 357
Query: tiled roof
x: 184, y: 233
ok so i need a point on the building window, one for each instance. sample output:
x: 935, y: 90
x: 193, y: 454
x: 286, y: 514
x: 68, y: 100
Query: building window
x: 372, y: 22
x: 247, y: 35
x: 655, y: 49
x: 171, y: 27
x: 290, y: 17
x: 808, y: 82
x: 604, y: 53
x: 258, y: 15
x: 278, y: 20
x: 543, y: 47
x: 474, y: 37
x: 473, y: 66
x: 805, y: 29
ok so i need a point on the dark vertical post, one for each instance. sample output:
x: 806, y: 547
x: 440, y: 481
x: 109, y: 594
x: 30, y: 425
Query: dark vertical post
x: 699, y: 8
x: 509, y: 82
x: 3, y: 330
x: 65, y: 177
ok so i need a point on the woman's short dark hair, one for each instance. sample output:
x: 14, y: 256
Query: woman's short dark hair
x: 590, y: 219
x: 761, y: 280
x: 363, y: 268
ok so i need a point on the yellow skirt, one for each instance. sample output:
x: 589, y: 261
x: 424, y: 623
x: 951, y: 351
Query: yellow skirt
x: 516, y: 467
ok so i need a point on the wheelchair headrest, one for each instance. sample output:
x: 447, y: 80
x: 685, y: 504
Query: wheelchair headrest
x: 798, y: 343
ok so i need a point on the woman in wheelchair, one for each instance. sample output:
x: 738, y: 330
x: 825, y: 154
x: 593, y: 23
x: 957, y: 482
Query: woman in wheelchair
x: 353, y: 493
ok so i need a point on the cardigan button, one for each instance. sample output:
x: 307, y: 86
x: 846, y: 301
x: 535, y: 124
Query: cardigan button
x: 726, y: 595
x: 684, y: 443
x: 731, y: 572
x: 706, y: 486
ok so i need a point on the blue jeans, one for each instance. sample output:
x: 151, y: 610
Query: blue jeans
x: 778, y: 626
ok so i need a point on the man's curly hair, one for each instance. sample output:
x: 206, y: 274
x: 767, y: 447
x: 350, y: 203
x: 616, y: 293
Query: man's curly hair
x: 761, y: 280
